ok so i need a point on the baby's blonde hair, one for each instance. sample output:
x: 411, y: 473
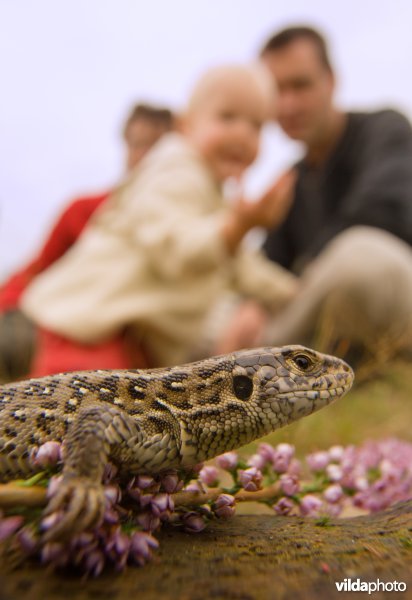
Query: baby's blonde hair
x: 248, y: 77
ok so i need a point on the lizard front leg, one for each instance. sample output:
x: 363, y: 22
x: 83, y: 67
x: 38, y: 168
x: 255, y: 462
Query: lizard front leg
x: 79, y: 501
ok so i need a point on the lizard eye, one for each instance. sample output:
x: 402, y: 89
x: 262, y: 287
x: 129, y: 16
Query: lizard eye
x: 302, y: 361
x: 242, y: 386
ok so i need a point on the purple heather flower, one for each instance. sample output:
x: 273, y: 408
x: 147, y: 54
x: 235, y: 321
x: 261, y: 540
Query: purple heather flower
x: 250, y: 479
x: 286, y: 450
x: 117, y: 549
x: 9, y: 526
x: 112, y: 494
x: 94, y: 563
x: 162, y: 505
x: 369, y: 501
x: 289, y: 484
x: 224, y: 507
x: 348, y: 458
x: 142, y: 487
x: 283, y: 506
x: 310, y: 505
x: 360, y: 483
x: 295, y: 467
x: 141, y: 545
x: 336, y: 453
x: 281, y: 464
x: 81, y: 545
x: 209, y: 475
x: 192, y: 522
x: 171, y: 483
x: 257, y: 461
x: 357, y: 462
x: 144, y: 482
x: 334, y: 472
x: 163, y: 502
x: 111, y: 516
x: 148, y: 521
x: 333, y: 493
x: 193, y: 486
x: 47, y: 455
x: 228, y: 461
x: 135, y: 493
x: 267, y: 452
x: 318, y: 461
x: 55, y: 553
x: 27, y: 539
x: 282, y: 458
x: 384, y: 491
x: 84, y: 539
x: 145, y: 500
x: 391, y: 469
x: 367, y: 455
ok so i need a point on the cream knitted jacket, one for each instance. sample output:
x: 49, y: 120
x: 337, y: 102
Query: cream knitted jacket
x: 153, y: 257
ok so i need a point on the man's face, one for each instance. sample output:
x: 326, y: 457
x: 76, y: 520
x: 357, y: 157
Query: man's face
x: 305, y: 90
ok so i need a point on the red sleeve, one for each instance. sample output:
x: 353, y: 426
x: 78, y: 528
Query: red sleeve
x: 62, y: 236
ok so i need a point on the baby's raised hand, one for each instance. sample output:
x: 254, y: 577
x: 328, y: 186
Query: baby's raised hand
x: 269, y: 211
x: 272, y: 208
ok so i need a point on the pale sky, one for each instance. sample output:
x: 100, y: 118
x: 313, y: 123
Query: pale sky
x: 71, y: 69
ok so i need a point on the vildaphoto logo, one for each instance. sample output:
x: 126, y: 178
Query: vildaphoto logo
x: 356, y: 585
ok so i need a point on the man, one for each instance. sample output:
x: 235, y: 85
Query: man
x: 348, y: 233
x: 143, y: 128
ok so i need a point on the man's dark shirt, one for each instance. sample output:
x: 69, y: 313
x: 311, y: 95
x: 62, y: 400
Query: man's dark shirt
x: 366, y: 181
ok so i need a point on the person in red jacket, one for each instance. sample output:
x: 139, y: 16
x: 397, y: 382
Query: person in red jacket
x: 144, y: 126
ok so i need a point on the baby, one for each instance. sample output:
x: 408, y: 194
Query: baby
x: 164, y: 253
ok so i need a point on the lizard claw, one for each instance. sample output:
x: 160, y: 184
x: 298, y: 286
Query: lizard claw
x: 76, y: 505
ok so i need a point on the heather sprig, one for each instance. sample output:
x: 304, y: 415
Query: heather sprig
x: 324, y: 484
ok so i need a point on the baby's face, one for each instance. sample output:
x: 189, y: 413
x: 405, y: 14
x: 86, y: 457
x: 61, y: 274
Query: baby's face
x: 225, y: 130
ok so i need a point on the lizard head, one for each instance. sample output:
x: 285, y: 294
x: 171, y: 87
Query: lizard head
x: 285, y: 384
x: 240, y: 397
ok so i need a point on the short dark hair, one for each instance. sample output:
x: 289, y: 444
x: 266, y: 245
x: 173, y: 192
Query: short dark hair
x: 300, y: 32
x: 159, y: 116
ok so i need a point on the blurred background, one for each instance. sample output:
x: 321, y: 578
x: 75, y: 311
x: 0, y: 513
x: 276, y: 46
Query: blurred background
x: 71, y: 70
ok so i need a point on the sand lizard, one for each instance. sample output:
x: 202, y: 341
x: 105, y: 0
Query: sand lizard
x: 149, y: 421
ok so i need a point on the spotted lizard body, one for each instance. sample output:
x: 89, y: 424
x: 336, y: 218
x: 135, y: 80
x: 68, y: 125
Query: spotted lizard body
x: 151, y: 421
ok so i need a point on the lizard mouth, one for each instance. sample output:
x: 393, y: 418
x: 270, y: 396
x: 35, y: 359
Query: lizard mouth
x: 295, y: 404
x: 323, y: 394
